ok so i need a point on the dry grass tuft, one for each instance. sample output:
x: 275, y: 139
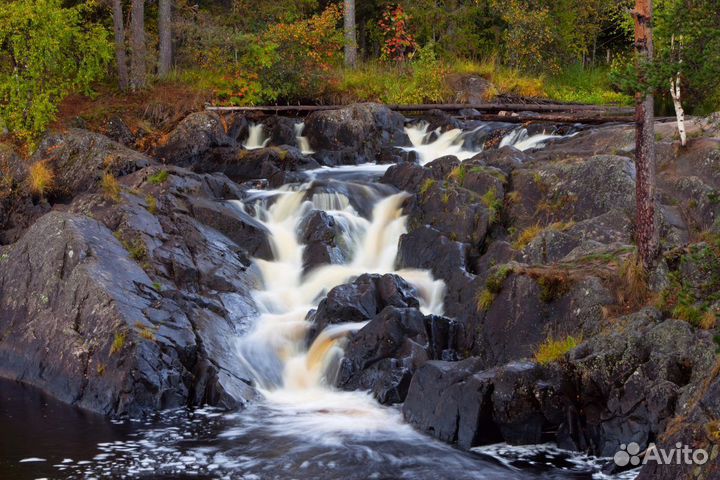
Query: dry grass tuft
x: 527, y: 236
x: 633, y: 290
x: 484, y: 300
x: 111, y: 187
x: 41, y: 179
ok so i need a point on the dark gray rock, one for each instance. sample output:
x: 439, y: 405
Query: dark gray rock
x: 79, y: 159
x: 323, y: 239
x: 383, y: 356
x: 361, y: 300
x: 193, y: 138
x: 359, y: 130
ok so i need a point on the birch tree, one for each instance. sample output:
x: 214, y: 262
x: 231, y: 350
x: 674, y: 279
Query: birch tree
x: 676, y: 93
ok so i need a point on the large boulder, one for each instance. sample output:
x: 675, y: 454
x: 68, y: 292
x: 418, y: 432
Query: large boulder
x: 134, y: 303
x: 361, y: 300
x: 82, y: 321
x: 383, y: 356
x: 359, y: 130
x: 189, y: 142
x: 277, y: 165
x: 79, y: 159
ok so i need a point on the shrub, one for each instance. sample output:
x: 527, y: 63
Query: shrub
x: 41, y: 178
x: 296, y: 59
x: 48, y: 51
x: 552, y: 350
x: 399, y: 43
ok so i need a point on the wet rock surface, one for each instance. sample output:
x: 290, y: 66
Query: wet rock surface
x: 129, y: 303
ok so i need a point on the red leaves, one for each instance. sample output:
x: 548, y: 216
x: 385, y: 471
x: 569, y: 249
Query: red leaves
x: 399, y: 42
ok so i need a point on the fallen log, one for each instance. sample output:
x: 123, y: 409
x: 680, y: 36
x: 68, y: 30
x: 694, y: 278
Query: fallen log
x: 587, y: 119
x: 483, y: 107
x: 584, y: 119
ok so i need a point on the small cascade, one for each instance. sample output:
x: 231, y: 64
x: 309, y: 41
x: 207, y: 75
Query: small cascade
x: 275, y: 350
x: 447, y: 143
x: 256, y: 137
x: 522, y: 140
x: 302, y: 142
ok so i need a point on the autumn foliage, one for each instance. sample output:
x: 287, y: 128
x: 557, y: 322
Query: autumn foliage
x: 299, y: 56
x: 399, y: 44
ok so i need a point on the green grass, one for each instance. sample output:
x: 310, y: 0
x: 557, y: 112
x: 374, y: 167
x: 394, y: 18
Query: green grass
x: 118, y: 342
x: 484, y: 300
x: 159, y: 177
x: 576, y: 84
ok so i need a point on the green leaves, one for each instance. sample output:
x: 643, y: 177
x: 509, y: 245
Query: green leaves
x: 47, y: 52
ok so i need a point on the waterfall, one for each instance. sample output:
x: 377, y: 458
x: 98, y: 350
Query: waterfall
x: 522, y: 140
x: 256, y: 137
x: 284, y: 369
x: 302, y: 142
x: 447, y: 143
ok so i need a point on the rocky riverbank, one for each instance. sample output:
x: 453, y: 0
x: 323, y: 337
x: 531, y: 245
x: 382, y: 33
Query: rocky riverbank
x: 123, y: 285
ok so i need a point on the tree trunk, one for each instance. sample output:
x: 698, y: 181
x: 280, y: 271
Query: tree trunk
x: 646, y: 223
x: 137, y: 45
x: 165, y: 33
x: 350, y: 38
x: 675, y: 93
x: 679, y: 111
x: 120, y: 53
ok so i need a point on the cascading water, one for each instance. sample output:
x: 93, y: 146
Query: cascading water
x: 447, y: 143
x: 256, y: 137
x: 522, y: 140
x: 287, y: 373
x: 302, y: 142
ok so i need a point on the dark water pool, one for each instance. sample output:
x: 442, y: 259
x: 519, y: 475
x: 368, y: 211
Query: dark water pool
x: 43, y: 438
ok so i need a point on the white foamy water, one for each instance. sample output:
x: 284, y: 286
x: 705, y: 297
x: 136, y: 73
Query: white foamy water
x: 302, y: 142
x: 291, y: 376
x: 520, y: 139
x: 447, y: 143
x: 256, y: 137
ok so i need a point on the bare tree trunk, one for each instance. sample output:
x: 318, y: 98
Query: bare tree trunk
x: 165, y: 33
x: 120, y: 53
x: 675, y: 93
x: 137, y: 45
x: 350, y: 37
x: 646, y: 228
